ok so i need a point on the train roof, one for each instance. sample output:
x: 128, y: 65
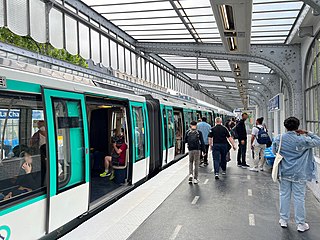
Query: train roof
x: 58, y: 80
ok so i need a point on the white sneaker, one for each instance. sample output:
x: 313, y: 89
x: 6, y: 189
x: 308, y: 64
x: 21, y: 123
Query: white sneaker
x: 303, y: 227
x: 190, y: 177
x: 283, y: 223
x: 254, y: 169
x: 224, y: 173
x: 195, y: 181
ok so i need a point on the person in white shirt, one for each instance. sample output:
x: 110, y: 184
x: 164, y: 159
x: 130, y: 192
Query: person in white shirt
x: 257, y: 148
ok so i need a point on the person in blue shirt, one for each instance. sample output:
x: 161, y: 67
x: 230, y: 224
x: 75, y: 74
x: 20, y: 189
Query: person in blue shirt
x: 204, y: 128
x: 296, y: 168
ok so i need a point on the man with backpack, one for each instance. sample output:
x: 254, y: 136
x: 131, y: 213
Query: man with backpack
x: 195, y: 142
x: 259, y: 139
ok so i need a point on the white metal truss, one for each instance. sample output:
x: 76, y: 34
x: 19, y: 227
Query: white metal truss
x: 283, y: 59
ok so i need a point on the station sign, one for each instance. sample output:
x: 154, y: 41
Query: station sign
x: 15, y: 114
x: 274, y: 103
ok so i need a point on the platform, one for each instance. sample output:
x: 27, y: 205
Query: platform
x: 241, y: 205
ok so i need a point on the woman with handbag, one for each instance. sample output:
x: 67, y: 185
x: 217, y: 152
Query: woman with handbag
x: 296, y: 167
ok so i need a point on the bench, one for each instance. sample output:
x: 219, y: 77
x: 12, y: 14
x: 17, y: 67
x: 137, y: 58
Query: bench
x: 120, y: 172
x: 269, y: 156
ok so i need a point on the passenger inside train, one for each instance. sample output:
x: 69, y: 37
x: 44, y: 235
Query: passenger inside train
x: 117, y: 158
x: 21, y: 169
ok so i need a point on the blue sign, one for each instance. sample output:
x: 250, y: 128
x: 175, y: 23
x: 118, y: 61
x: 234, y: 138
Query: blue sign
x: 274, y: 103
x: 13, y: 114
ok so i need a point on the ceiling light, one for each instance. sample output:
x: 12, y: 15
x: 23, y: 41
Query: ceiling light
x: 227, y: 17
x: 104, y: 106
x: 232, y: 43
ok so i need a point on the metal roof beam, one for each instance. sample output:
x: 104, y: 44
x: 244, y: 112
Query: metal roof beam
x: 315, y: 4
x: 285, y: 60
x: 252, y: 75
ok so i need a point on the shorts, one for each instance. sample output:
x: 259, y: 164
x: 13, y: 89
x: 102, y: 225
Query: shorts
x: 116, y: 162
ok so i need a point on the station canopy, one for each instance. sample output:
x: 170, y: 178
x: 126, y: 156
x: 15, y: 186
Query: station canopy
x: 187, y: 21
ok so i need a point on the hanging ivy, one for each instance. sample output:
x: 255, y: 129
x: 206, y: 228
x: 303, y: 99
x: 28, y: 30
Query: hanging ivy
x: 47, y: 49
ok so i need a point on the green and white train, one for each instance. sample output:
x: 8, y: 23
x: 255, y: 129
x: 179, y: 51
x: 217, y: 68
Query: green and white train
x: 80, y: 119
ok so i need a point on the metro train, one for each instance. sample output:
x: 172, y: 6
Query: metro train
x: 61, y: 185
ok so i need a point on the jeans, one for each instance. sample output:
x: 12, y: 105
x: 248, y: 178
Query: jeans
x: 259, y: 155
x: 242, y: 153
x: 298, y: 190
x: 194, y: 157
x: 219, y: 153
x: 205, y: 157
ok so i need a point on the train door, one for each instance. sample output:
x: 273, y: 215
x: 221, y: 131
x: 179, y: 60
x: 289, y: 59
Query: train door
x: 210, y: 119
x: 179, y: 131
x: 141, y: 143
x: 171, y: 133
x: 164, y: 135
x: 199, y: 116
x: 68, y: 187
x: 188, y: 118
x: 154, y: 114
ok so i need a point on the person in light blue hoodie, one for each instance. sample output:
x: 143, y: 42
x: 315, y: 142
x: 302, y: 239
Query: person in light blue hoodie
x: 296, y: 168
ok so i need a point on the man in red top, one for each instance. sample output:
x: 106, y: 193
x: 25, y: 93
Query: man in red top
x: 117, y: 158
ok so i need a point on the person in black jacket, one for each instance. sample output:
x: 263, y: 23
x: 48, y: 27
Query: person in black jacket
x: 218, y: 141
x: 194, y: 139
x: 242, y: 138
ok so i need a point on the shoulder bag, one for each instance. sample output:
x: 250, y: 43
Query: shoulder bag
x: 276, y: 163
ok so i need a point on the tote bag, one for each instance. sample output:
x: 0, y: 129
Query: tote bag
x: 276, y: 163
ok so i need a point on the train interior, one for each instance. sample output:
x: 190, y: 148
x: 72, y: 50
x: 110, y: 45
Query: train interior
x: 107, y: 123
x: 180, y: 131
x: 19, y: 115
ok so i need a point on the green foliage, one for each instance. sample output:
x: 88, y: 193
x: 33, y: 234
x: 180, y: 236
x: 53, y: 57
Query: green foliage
x: 28, y: 43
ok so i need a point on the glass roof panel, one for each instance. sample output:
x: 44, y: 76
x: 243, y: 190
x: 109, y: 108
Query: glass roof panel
x: 135, y: 15
x: 223, y: 65
x: 273, y: 19
x: 213, y: 86
x: 152, y: 27
x: 276, y: 5
x: 270, y: 28
x: 271, y: 15
x: 229, y: 79
x: 258, y: 68
x: 192, y: 3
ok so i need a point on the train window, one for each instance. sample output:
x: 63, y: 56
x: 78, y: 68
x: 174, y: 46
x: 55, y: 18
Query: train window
x: 170, y: 128
x: 139, y: 134
x: 22, y: 146
x: 68, y: 130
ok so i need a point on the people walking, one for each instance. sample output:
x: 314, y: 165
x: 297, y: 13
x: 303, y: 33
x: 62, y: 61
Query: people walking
x: 259, y: 139
x: 218, y: 142
x: 242, y: 138
x: 204, y: 128
x: 196, y: 145
x: 296, y: 168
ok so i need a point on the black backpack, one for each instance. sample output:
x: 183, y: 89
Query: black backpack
x: 233, y: 132
x: 263, y: 136
x: 193, y: 139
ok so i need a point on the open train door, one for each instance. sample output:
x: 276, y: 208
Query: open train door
x: 68, y: 163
